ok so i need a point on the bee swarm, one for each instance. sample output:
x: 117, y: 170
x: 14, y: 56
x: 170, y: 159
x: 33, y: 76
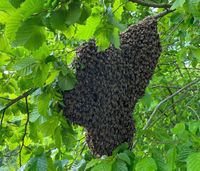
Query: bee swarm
x: 110, y: 84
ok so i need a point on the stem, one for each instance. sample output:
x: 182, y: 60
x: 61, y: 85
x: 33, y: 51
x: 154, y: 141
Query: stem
x: 25, y: 132
x: 151, y: 4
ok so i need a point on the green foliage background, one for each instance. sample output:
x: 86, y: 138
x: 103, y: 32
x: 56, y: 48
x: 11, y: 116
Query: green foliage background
x: 38, y: 40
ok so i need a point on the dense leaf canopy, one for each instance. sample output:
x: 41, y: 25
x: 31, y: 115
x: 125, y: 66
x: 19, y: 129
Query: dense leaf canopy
x: 38, y: 42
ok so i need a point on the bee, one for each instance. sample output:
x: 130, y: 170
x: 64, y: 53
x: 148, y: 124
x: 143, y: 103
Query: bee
x: 110, y: 84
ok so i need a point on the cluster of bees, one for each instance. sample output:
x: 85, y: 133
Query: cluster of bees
x: 110, y: 84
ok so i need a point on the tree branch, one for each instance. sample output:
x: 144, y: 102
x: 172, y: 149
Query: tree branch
x: 166, y: 99
x: 18, y: 98
x: 162, y: 14
x: 2, y: 117
x: 25, y: 132
x: 24, y: 95
x: 151, y: 4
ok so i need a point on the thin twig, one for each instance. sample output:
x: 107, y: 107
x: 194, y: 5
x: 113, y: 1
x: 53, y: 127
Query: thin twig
x: 25, y: 132
x: 151, y: 4
x: 166, y: 99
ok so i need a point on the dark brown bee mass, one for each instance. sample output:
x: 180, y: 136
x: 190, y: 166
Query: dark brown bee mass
x: 109, y: 85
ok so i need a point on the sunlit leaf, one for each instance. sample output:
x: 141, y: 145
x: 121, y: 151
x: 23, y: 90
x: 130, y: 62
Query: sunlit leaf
x: 177, y: 4
x: 91, y: 24
x: 193, y: 162
x: 146, y: 164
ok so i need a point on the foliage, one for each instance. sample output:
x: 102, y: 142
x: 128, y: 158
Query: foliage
x: 38, y: 40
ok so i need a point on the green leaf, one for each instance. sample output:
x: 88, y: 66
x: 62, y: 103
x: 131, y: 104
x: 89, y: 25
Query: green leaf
x: 120, y: 148
x: 92, y: 163
x: 60, y: 164
x: 58, y: 137
x: 34, y: 115
x: 195, y: 54
x: 119, y: 165
x: 160, y: 160
x: 66, y: 82
x: 12, y: 25
x: 31, y: 35
x: 24, y: 63
x: 25, y: 82
x: 3, y: 17
x: 171, y: 159
x: 37, y: 164
x: 57, y: 19
x: 193, y: 162
x: 194, y: 126
x: 146, y: 164
x: 40, y: 74
x: 124, y: 157
x: 179, y: 129
x: 192, y: 7
x: 147, y: 99
x: 185, y: 151
x: 5, y: 5
x: 43, y: 103
x: 52, y: 77
x: 115, y: 39
x: 48, y: 127
x: 118, y: 9
x: 42, y: 53
x: 177, y: 4
x: 31, y: 165
x: 16, y: 3
x: 4, y: 44
x: 130, y: 6
x: 4, y: 59
x: 42, y: 163
x: 91, y: 24
x: 86, y: 12
x: 69, y: 33
x: 79, y: 165
x: 73, y: 13
x: 102, y: 40
x: 69, y: 140
x: 103, y: 166
x: 28, y: 8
